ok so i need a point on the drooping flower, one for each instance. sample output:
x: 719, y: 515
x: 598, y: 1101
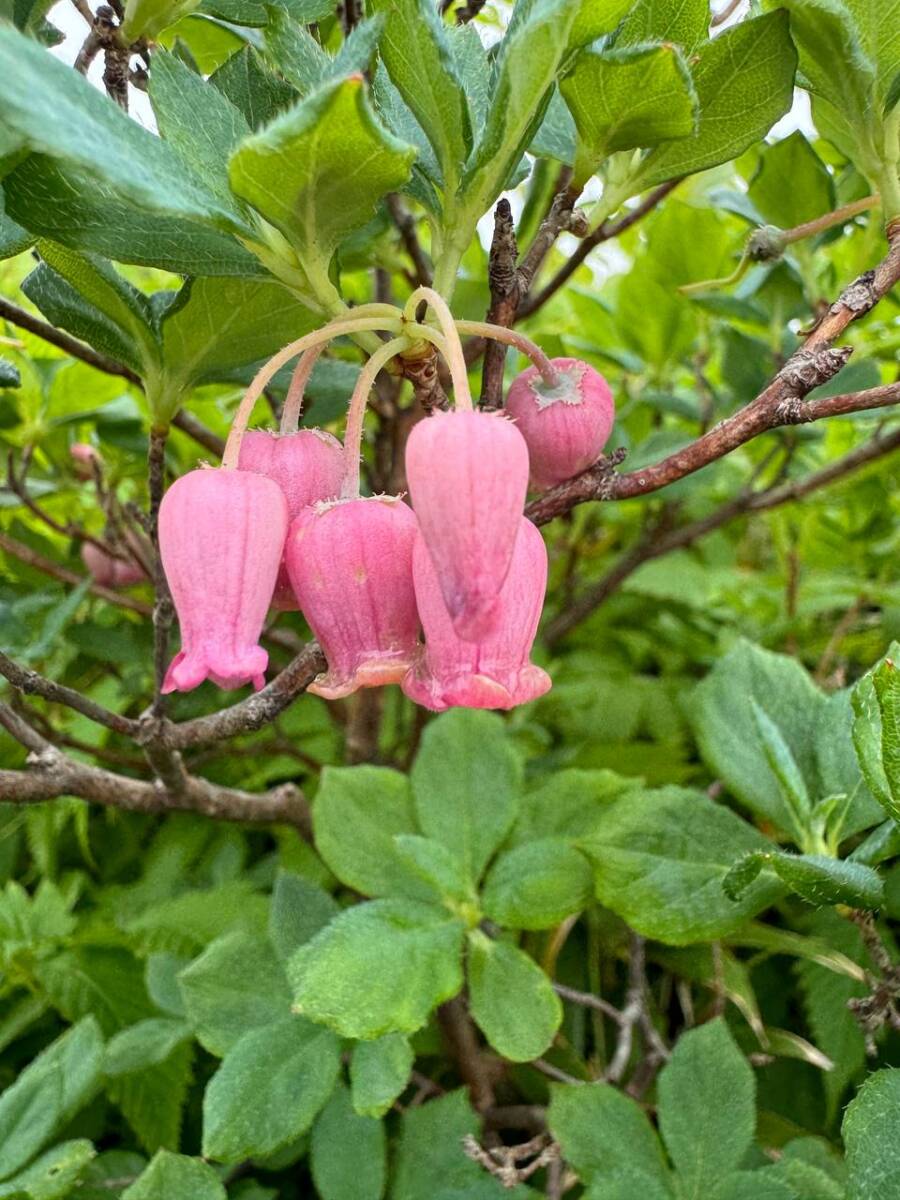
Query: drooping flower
x: 221, y: 537
x: 107, y: 569
x: 468, y: 475
x: 350, y: 565
x: 307, y: 465
x: 565, y: 427
x: 496, y: 671
x: 84, y: 457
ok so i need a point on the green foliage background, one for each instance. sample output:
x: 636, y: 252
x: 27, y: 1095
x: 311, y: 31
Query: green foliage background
x: 192, y: 1010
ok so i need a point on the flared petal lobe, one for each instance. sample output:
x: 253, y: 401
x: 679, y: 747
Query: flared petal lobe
x: 468, y: 475
x: 497, y: 671
x: 565, y: 428
x: 350, y: 565
x: 221, y: 537
x: 307, y: 465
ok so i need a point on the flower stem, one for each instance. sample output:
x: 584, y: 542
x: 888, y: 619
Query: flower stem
x: 264, y: 374
x: 357, y: 411
x: 290, y: 414
x: 512, y: 337
x: 456, y: 360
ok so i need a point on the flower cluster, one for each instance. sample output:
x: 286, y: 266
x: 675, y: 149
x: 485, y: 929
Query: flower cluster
x: 282, y: 524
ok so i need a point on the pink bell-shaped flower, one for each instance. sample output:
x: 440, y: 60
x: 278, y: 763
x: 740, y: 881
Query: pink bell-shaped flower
x: 565, y: 427
x: 221, y: 537
x: 495, y: 672
x: 307, y: 465
x: 468, y: 475
x: 110, y: 571
x: 350, y: 564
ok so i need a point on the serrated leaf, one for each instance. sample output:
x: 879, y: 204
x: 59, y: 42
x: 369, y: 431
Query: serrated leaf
x: 511, y: 999
x: 659, y: 860
x: 295, y: 52
x: 537, y: 885
x: 415, y: 50
x: 60, y: 114
x: 622, y: 99
x: 51, y: 1176
x: 784, y: 767
x: 268, y: 1089
x: 379, y: 1072
x: 176, y: 1177
x: 466, y: 783
x: 348, y: 1152
x: 299, y: 910
x: 602, y: 1132
x: 318, y: 170
x: 437, y: 867
x: 254, y: 91
x: 886, y: 683
x: 812, y: 189
x: 744, y: 82
x: 707, y: 1107
x: 152, y: 1099
x: 815, y: 877
x: 867, y: 742
x: 869, y: 1133
x: 148, y: 18
x: 379, y: 968
x: 236, y: 985
x: 357, y: 814
x: 685, y: 23
x: 145, y: 1044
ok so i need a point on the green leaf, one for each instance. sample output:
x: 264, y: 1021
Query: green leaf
x: 707, y: 1107
x: 176, y: 1177
x: 886, y: 684
x: 812, y: 189
x: 466, y: 783
x: 348, y: 1153
x: 569, y: 804
x: 757, y: 1185
x: 236, y: 985
x: 868, y: 737
x: 438, y: 867
x: 217, y: 325
x: 379, y: 1073
x: 784, y: 767
x: 527, y: 67
x: 295, y: 52
x: 146, y: 1044
x: 659, y: 860
x: 252, y: 89
x: 357, y: 814
x: 196, y: 120
x: 152, y: 1099
x: 744, y: 82
x: 602, y: 1132
x: 268, y: 1089
x: 870, y: 1136
x: 69, y: 204
x: 60, y: 114
x: 537, y: 885
x: 511, y: 999
x: 415, y: 49
x: 379, y: 968
x: 626, y: 1184
x: 47, y: 1093
x: 318, y: 170
x: 815, y: 877
x: 148, y: 18
x: 430, y: 1162
x: 51, y: 1176
x: 685, y: 23
x: 622, y: 99
x: 729, y: 734
x: 299, y: 910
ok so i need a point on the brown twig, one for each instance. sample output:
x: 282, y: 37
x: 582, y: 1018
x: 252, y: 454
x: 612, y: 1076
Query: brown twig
x: 462, y: 1044
x: 30, y: 683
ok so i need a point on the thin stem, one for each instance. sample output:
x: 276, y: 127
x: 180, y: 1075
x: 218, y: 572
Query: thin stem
x: 512, y: 337
x: 293, y: 404
x: 829, y: 220
x: 456, y: 360
x: 357, y: 411
x: 273, y: 366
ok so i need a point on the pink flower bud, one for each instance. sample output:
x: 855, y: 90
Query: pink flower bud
x: 307, y: 465
x: 495, y: 672
x: 468, y: 475
x: 565, y: 427
x: 83, y: 459
x: 350, y: 564
x: 108, y: 570
x: 221, y: 537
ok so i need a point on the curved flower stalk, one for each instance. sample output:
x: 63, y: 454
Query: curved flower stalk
x: 350, y: 565
x: 468, y: 476
x: 307, y: 464
x: 565, y: 426
x: 221, y: 537
x: 222, y: 534
x: 496, y: 671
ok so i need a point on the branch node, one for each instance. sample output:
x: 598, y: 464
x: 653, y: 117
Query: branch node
x: 808, y: 369
x: 859, y: 296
